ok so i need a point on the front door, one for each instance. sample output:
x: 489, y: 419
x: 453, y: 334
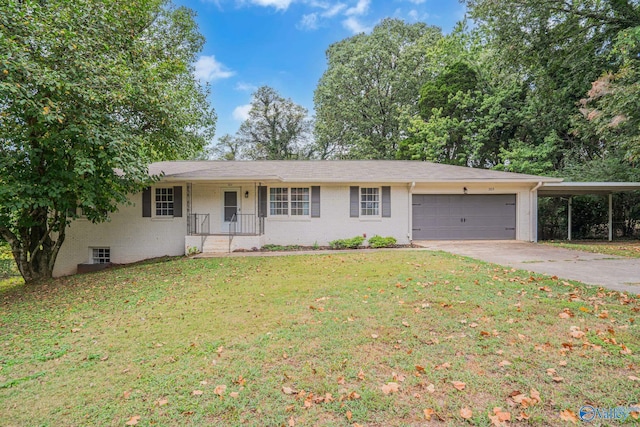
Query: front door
x: 230, y: 207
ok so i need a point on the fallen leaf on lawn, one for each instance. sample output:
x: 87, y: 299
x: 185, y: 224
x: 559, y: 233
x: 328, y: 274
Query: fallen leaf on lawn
x: 604, y: 314
x: 292, y: 422
x: 341, y: 381
x: 126, y: 394
x: 162, y: 402
x: 562, y: 363
x: 473, y: 325
x: 445, y: 365
x: 504, y: 363
x: 568, y: 415
x: 420, y: 369
x: 234, y: 394
x: 428, y: 413
x: 466, y: 413
x: 133, y: 420
x: 361, y: 374
x: 374, y: 336
x: 458, y: 385
x: 564, y: 315
x: 535, y: 395
x: 390, y: 388
x: 558, y: 379
x: 502, y: 415
x: 405, y: 324
x: 220, y: 389
x: 197, y: 392
x: 349, y: 415
x: 398, y: 377
x: 633, y: 378
x: 576, y: 332
x: 523, y: 416
x: 204, y: 382
x: 287, y: 390
x: 551, y: 371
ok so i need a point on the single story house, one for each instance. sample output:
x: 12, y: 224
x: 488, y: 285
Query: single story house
x: 216, y: 206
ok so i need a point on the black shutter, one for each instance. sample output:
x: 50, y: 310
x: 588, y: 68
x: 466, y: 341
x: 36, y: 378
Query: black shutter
x: 354, y: 202
x: 262, y: 201
x: 315, y: 202
x: 146, y: 202
x: 386, y: 202
x: 177, y: 202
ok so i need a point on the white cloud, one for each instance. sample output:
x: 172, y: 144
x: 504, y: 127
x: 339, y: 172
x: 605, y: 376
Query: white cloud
x: 208, y: 69
x: 246, y: 87
x: 308, y: 22
x: 359, y: 9
x: 278, y: 4
x: 334, y: 10
x: 417, y: 1
x: 414, y: 15
x: 241, y: 112
x: 353, y: 25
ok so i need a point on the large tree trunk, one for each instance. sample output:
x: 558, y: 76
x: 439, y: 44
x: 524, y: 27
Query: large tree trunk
x: 33, y: 248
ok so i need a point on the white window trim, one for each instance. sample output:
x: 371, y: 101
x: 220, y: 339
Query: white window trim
x: 154, y: 212
x: 379, y: 202
x: 289, y: 215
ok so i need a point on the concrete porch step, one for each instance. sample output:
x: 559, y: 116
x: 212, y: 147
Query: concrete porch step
x: 215, y: 244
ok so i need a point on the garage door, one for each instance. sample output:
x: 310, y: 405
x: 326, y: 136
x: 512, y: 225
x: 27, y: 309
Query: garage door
x: 464, y: 217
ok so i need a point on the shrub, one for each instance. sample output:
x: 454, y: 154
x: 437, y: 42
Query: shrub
x: 381, y: 242
x: 352, y: 243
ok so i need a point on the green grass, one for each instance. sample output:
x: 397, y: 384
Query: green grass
x: 101, y: 348
x: 629, y: 249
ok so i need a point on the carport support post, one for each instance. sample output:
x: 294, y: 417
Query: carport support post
x: 610, y: 216
x: 569, y: 218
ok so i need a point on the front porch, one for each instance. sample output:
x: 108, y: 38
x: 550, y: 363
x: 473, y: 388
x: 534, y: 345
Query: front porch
x: 222, y: 217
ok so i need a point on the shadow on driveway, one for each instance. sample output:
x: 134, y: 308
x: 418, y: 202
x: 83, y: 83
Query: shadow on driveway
x: 610, y: 271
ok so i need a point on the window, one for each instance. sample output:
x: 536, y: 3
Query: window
x: 279, y: 201
x: 100, y: 255
x: 299, y: 201
x: 289, y: 201
x: 369, y: 201
x: 164, y: 201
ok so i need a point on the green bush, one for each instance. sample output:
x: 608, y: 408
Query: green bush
x: 352, y: 243
x: 381, y: 242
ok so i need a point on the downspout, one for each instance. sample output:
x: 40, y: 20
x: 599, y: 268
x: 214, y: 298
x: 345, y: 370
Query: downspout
x: 409, y: 211
x: 533, y: 212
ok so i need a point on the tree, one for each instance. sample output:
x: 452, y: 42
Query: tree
x: 369, y: 80
x: 277, y: 128
x: 90, y: 93
x: 227, y: 148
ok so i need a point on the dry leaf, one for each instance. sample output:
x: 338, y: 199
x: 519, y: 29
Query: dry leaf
x: 633, y: 378
x: 390, y: 388
x: 341, y: 381
x: 220, y: 389
x: 428, y: 413
x: 349, y: 415
x: 287, y: 390
x: 133, y: 420
x: 398, y: 377
x: 562, y: 363
x: 458, y: 385
x: 558, y: 379
x: 197, y: 392
x: 361, y: 375
x: 405, y: 324
x: 126, y: 394
x: 374, y: 336
x: 466, y: 413
x: 431, y: 388
x: 564, y: 315
x: 162, y: 402
x: 504, y: 363
x: 535, y: 395
x: 568, y: 415
x: 420, y: 369
x: 445, y: 365
x: 234, y: 394
x: 292, y: 422
x: 502, y: 415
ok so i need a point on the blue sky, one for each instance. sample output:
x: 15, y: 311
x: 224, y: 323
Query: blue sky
x: 282, y: 43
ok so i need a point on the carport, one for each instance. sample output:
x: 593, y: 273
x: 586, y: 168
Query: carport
x: 570, y: 189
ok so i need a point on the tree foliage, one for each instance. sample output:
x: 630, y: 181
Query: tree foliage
x: 368, y: 81
x: 277, y: 129
x: 90, y: 93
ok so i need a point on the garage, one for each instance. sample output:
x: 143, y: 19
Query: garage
x: 464, y: 216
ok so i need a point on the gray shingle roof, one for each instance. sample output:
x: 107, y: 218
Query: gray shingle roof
x: 380, y: 171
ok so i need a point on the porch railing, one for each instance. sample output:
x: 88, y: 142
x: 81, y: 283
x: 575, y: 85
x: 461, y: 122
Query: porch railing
x: 245, y: 224
x: 198, y: 224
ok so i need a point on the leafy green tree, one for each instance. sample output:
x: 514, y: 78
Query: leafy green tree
x: 368, y: 81
x: 90, y: 93
x: 227, y: 148
x: 277, y: 128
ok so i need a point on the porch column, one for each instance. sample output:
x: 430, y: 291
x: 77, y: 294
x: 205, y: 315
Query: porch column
x: 610, y: 217
x: 569, y: 218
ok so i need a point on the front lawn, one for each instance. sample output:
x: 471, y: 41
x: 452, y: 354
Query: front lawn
x: 376, y: 338
x: 627, y: 248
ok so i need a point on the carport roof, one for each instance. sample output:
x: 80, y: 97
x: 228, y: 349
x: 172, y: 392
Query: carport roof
x: 558, y: 189
x: 338, y: 171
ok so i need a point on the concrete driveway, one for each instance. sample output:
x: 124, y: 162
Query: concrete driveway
x: 613, y: 272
